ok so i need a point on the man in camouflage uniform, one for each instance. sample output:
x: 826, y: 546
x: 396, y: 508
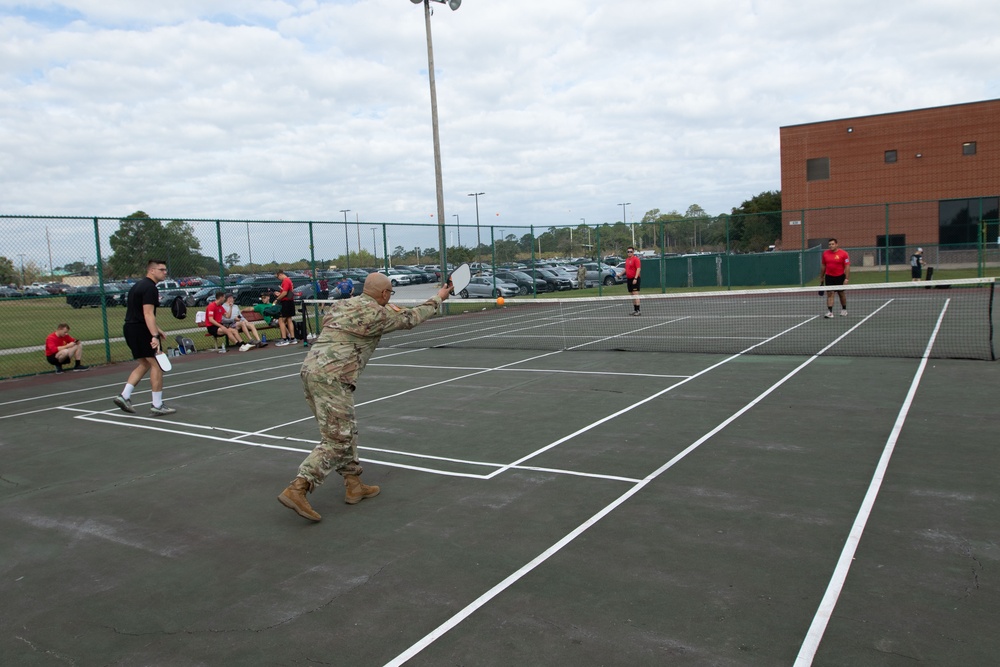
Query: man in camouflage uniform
x: 351, y: 332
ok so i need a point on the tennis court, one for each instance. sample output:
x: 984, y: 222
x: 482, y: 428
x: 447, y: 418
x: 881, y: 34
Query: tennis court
x: 538, y: 506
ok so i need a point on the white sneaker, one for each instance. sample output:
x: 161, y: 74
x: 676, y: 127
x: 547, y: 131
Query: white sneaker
x: 244, y: 347
x: 843, y: 313
x: 281, y: 343
x: 830, y: 315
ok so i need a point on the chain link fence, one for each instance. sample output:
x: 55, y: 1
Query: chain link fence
x: 76, y: 270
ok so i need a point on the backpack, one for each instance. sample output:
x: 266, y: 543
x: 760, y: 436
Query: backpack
x: 185, y: 345
x: 178, y: 308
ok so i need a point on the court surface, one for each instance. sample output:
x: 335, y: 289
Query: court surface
x: 537, y: 508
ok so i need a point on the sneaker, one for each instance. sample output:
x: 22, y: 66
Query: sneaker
x: 125, y: 404
x: 244, y: 347
x: 843, y: 313
x: 80, y: 367
x: 635, y: 313
x: 281, y: 343
x: 262, y: 343
x: 293, y: 341
x: 829, y: 315
x: 162, y: 410
x: 59, y: 369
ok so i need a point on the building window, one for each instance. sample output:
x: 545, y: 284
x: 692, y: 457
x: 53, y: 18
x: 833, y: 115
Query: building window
x: 969, y: 148
x: 962, y: 222
x: 818, y: 169
x: 890, y: 157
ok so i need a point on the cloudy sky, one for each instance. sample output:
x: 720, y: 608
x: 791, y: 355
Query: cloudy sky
x: 556, y: 110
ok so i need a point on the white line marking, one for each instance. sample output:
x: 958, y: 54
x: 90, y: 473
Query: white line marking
x: 818, y: 627
x: 476, y: 604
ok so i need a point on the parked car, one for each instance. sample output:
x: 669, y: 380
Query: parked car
x: 201, y: 298
x: 248, y: 291
x: 9, y: 293
x: 57, y: 288
x: 565, y: 273
x: 481, y: 286
x: 396, y: 277
x: 167, y: 296
x: 555, y: 282
x: 35, y: 292
x: 525, y: 284
x: 603, y: 274
x: 92, y: 296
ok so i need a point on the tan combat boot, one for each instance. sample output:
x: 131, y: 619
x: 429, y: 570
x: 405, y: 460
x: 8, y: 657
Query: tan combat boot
x: 294, y: 498
x: 356, y: 491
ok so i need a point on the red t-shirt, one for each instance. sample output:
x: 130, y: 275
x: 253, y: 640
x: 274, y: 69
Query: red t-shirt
x: 834, y: 262
x: 54, y: 342
x: 632, y: 265
x: 287, y: 287
x: 214, y: 311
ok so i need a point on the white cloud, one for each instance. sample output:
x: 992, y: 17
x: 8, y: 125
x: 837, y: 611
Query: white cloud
x: 556, y: 110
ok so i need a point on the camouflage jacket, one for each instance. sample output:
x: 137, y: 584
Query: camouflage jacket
x: 351, y: 331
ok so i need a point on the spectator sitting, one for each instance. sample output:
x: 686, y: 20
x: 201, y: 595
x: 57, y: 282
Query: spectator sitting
x: 266, y: 309
x: 60, y: 347
x: 213, y: 321
x: 235, y: 320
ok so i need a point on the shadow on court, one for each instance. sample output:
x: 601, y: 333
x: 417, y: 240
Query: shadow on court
x: 546, y: 508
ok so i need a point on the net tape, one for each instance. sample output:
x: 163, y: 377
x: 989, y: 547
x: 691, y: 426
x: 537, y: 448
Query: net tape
x: 946, y: 319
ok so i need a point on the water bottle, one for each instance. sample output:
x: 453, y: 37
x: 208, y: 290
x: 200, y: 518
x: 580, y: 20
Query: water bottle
x: 263, y: 338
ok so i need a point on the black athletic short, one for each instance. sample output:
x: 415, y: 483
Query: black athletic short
x: 138, y: 339
x: 52, y: 359
x: 287, y: 308
x: 213, y: 330
x: 633, y: 284
x: 834, y: 280
x: 915, y: 272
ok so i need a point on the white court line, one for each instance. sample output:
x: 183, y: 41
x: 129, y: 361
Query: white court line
x: 476, y: 604
x: 818, y: 627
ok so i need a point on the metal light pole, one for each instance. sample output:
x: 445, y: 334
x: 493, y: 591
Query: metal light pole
x: 21, y: 255
x: 458, y: 226
x: 374, y: 245
x: 347, y: 243
x: 478, y: 242
x: 438, y: 181
x: 249, y: 251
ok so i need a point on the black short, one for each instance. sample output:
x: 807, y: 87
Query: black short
x: 287, y: 308
x: 915, y: 272
x: 138, y: 339
x: 52, y: 360
x: 213, y: 330
x: 834, y: 280
x: 632, y: 284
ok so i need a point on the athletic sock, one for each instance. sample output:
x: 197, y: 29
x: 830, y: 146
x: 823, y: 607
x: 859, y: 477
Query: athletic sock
x: 127, y: 391
x: 157, y: 399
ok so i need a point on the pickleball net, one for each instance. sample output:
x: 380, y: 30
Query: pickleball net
x: 944, y: 319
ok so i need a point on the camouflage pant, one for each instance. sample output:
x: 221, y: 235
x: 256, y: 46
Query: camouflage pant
x: 332, y: 403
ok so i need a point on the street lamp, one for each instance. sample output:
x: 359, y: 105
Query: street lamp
x: 458, y: 226
x: 347, y: 243
x: 374, y: 245
x: 438, y: 181
x: 625, y: 220
x: 478, y: 241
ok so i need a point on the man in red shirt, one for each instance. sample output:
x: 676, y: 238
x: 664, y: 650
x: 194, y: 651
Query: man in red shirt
x: 835, y: 270
x: 213, y: 320
x: 60, y: 347
x: 633, y: 269
x: 285, y: 298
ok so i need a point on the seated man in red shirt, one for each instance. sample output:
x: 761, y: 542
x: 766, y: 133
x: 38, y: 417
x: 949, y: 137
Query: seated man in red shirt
x: 60, y: 347
x: 213, y: 321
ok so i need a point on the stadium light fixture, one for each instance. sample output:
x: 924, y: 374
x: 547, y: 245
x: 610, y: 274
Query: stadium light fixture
x: 438, y: 180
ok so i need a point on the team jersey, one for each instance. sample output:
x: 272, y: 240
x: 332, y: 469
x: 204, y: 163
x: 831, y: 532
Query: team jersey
x: 54, y: 342
x: 214, y: 311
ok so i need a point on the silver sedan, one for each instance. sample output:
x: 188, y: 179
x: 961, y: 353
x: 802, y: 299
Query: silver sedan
x: 482, y: 286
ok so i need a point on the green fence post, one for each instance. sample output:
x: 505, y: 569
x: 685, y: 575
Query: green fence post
x: 886, y: 243
x: 600, y: 283
x: 222, y: 267
x: 100, y: 281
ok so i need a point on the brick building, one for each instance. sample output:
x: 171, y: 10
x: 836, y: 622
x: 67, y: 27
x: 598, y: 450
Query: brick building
x: 890, y: 182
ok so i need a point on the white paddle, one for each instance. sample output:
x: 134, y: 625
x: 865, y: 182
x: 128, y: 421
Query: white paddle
x: 163, y: 361
x: 460, y: 278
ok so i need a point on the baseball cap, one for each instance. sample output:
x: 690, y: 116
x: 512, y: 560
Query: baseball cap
x: 920, y: 249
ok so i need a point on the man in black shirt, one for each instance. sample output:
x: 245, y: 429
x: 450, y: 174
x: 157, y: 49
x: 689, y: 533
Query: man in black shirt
x: 143, y: 336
